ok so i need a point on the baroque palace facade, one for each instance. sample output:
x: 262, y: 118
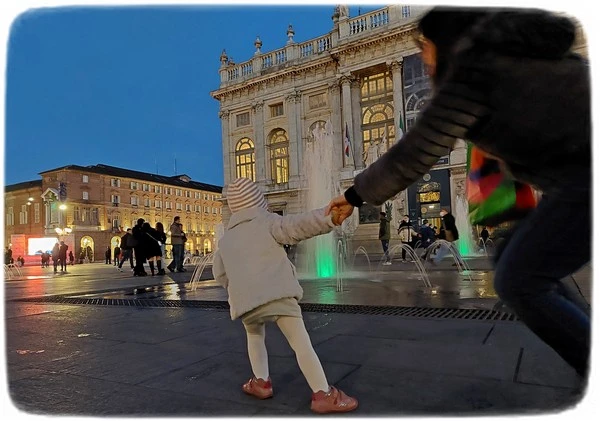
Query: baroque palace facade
x: 366, y: 82
x: 91, y: 207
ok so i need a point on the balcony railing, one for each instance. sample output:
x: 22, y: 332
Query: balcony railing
x: 346, y: 29
x: 369, y: 21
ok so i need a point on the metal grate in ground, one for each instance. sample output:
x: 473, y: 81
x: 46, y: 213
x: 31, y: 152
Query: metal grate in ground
x: 416, y: 312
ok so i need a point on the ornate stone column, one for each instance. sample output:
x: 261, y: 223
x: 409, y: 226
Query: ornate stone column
x: 396, y: 69
x: 347, y: 121
x: 228, y: 154
x: 259, y: 142
x: 458, y: 177
x: 356, y: 132
x: 338, y: 129
x: 295, y: 137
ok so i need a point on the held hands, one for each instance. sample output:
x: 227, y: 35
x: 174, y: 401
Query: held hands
x: 340, y: 209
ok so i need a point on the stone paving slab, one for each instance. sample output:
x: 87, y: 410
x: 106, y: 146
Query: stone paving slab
x: 394, y: 365
x: 405, y: 392
x: 118, y: 360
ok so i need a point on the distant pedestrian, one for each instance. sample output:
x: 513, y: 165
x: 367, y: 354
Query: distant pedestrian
x: 107, y: 254
x: 163, y: 239
x: 140, y: 258
x: 71, y: 258
x: 384, y: 236
x: 62, y: 255
x: 8, y: 259
x: 484, y: 234
x: 426, y: 235
x: 151, y: 244
x: 116, y: 255
x: 55, y: 256
x: 450, y: 234
x: 263, y: 287
x: 178, y: 243
x: 127, y: 244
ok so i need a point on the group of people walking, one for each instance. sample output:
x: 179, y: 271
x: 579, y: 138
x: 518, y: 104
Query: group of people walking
x: 146, y: 244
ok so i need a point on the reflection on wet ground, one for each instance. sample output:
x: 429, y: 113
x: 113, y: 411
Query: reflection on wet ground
x: 395, y: 285
x: 450, y: 289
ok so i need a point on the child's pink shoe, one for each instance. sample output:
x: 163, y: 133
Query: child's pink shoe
x: 262, y: 389
x: 333, y: 401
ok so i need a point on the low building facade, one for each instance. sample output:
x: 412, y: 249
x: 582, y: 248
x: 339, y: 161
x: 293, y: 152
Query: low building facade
x: 91, y: 207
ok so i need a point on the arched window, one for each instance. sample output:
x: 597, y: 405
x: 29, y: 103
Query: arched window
x: 245, y: 159
x: 279, y: 156
x: 414, y: 104
x: 377, y: 109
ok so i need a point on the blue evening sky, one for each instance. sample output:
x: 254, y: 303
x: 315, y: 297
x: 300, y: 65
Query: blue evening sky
x: 129, y: 86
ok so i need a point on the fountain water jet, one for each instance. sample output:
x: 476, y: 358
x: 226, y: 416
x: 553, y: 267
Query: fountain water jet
x: 319, y: 252
x: 466, y: 244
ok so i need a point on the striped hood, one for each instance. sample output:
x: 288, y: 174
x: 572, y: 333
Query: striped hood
x: 244, y: 193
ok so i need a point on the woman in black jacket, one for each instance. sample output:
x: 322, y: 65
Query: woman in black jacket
x: 507, y: 81
x: 152, y: 248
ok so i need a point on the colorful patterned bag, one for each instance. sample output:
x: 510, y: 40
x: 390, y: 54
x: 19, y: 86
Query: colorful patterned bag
x: 493, y: 197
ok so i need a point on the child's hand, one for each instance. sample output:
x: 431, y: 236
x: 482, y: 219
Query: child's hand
x: 335, y: 216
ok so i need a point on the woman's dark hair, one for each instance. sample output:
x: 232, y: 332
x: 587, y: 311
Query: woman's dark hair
x: 445, y: 26
x: 160, y: 227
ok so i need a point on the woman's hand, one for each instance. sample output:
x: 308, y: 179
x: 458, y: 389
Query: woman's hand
x: 340, y: 209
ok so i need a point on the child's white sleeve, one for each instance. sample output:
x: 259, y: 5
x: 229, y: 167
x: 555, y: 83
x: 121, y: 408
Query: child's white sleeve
x: 291, y: 229
x: 218, y: 270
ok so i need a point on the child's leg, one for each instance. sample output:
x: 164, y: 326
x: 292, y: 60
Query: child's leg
x: 257, y: 350
x: 295, y: 332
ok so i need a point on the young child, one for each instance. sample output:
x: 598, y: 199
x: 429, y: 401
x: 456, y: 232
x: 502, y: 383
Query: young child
x: 252, y: 265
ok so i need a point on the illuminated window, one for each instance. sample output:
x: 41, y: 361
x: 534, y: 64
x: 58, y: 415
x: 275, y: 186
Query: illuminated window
x: 23, y: 214
x: 278, y: 144
x: 377, y: 109
x: 86, y: 195
x: 245, y: 165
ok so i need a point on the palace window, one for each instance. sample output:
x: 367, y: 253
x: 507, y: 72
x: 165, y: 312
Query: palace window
x: 317, y: 101
x: 23, y: 215
x: 85, y: 178
x: 245, y: 159
x: 242, y: 119
x: 86, y: 195
x: 276, y: 109
x: 377, y: 110
x: 278, y: 144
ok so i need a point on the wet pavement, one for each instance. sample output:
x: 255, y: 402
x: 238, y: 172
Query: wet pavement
x: 92, y: 360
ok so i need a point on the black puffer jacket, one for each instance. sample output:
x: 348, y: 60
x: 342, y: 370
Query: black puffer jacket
x: 516, y: 91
